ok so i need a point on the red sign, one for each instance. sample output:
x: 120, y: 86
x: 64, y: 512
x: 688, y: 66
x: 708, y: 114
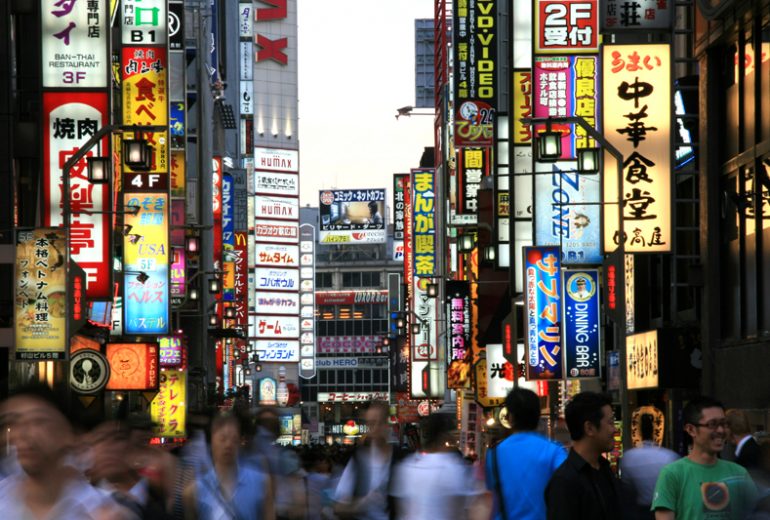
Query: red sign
x: 566, y: 26
x: 133, y: 366
x: 351, y: 297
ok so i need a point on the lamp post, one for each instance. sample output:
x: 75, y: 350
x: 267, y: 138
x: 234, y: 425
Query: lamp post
x: 551, y: 147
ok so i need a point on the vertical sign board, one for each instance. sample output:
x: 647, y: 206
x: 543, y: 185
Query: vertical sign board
x: 566, y: 26
x: 472, y: 166
x: 424, y: 227
x: 228, y: 239
x: 637, y: 121
x: 567, y: 212
x: 460, y: 354
x: 146, y: 304
x: 475, y: 84
x: 167, y: 409
x: 307, y: 362
x: 639, y: 15
x: 582, y: 329
x: 398, y: 216
x: 40, y: 300
x: 500, y: 372
x: 642, y: 360
x: 517, y: 221
x: 74, y: 44
x: 542, y: 313
x: 71, y: 119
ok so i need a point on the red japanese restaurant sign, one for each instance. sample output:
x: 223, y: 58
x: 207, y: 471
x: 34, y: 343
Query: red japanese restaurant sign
x: 637, y: 121
x: 566, y: 26
x: 145, y: 98
x: 71, y: 119
x: 167, y: 409
x: 133, y: 366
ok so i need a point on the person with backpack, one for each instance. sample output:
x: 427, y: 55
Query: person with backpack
x: 519, y: 468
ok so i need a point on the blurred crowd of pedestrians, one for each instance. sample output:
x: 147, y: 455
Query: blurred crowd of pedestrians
x: 231, y: 468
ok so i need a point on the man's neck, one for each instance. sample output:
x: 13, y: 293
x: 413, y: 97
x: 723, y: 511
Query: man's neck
x: 590, y: 454
x: 700, y: 456
x: 43, y: 490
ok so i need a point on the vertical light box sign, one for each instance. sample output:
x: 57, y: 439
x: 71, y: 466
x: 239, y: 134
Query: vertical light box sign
x: 637, y: 121
x: 542, y: 300
x: 146, y: 265
x: 582, y: 331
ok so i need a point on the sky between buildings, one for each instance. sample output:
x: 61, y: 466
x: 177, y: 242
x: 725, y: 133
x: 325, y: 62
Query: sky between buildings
x: 356, y: 67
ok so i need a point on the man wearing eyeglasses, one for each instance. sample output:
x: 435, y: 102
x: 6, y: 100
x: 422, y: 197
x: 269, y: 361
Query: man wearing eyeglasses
x: 701, y: 486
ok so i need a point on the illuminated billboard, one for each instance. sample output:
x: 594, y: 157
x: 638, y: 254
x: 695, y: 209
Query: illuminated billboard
x: 542, y: 313
x: 352, y: 216
x: 423, y: 221
x: 168, y: 408
x: 133, y: 366
x: 566, y: 26
x: 642, y: 360
x: 582, y: 330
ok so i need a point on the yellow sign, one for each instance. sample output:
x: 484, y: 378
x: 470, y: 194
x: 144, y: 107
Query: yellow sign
x: 167, y: 410
x: 522, y: 106
x: 642, y: 360
x: 637, y: 121
x: 40, y: 308
x: 177, y: 174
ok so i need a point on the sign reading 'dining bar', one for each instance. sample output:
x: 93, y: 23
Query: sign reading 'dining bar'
x: 144, y: 22
x: 637, y: 121
x: 276, y: 231
x: 276, y: 279
x: 581, y: 323
x: 283, y: 208
x: 74, y: 46
x: 566, y: 26
x: 272, y: 183
x: 277, y: 327
x: 276, y: 159
x: 71, y: 119
x: 283, y: 255
x: 277, y: 303
x: 542, y: 312
x: 277, y: 350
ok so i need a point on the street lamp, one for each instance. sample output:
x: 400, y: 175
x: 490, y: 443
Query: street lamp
x: 466, y: 243
x: 490, y: 253
x: 214, y: 285
x: 192, y: 244
x: 548, y: 145
x: 432, y: 289
x: 137, y: 154
x: 588, y: 161
x: 99, y: 169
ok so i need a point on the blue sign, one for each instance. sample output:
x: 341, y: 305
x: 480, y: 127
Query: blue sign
x: 567, y: 213
x: 542, y: 300
x: 581, y: 323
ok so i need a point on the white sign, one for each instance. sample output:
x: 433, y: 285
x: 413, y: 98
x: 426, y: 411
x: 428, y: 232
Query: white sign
x: 642, y: 360
x: 497, y: 385
x: 276, y: 279
x: 277, y: 327
x: 283, y: 208
x: 276, y: 231
x: 144, y: 22
x: 345, y: 397
x: 271, y: 183
x: 371, y: 236
x: 245, y: 20
x: 247, y: 98
x: 283, y: 255
x: 247, y: 64
x: 277, y: 350
x: 276, y: 159
x: 74, y: 47
x: 277, y: 303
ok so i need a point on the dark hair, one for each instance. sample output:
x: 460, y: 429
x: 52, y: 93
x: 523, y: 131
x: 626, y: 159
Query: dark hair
x: 381, y: 406
x: 646, y: 427
x: 693, y: 411
x: 585, y: 406
x: 435, y: 428
x: 523, y: 407
x: 43, y: 393
x: 373, y: 206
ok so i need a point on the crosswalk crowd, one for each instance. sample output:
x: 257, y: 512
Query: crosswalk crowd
x: 231, y: 468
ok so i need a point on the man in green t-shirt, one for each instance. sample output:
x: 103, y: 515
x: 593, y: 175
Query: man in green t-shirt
x: 701, y: 486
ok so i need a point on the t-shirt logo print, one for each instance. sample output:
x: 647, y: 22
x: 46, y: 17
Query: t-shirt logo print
x: 716, y: 496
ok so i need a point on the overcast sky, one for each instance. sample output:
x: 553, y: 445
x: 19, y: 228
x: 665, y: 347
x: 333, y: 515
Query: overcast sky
x: 356, y: 67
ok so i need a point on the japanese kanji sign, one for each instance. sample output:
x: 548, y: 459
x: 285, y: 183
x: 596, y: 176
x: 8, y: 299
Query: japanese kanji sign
x: 277, y: 327
x: 500, y: 372
x: 40, y: 303
x: 352, y: 216
x: 398, y: 206
x: 473, y: 165
x: 424, y: 227
x: 144, y: 22
x: 566, y: 26
x: 459, y: 353
x: 637, y: 121
x: 145, y: 98
x: 277, y: 350
x: 167, y: 409
x: 582, y: 341
x: 74, y: 43
x: 623, y: 15
x: 133, y: 366
x: 542, y: 312
x: 522, y: 106
x: 71, y: 119
x: 145, y: 249
x: 277, y: 255
x: 642, y: 360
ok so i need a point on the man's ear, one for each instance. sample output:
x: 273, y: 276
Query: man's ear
x: 589, y: 428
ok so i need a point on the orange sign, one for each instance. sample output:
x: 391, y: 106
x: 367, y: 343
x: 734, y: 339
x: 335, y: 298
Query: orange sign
x: 133, y: 366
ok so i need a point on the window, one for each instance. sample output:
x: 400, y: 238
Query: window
x: 350, y: 280
x: 324, y: 281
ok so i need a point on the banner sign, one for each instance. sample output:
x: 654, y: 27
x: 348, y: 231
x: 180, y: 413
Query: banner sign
x: 276, y: 231
x: 582, y: 330
x: 637, y: 121
x: 567, y: 212
x: 542, y: 293
x: 642, y: 360
x: 276, y: 279
x: 277, y: 350
x: 176, y: 26
x: 364, y: 296
x: 277, y: 255
x: 245, y: 58
x: 177, y: 127
x: 133, y: 366
x: 499, y: 372
x: 358, y: 397
x: 178, y: 273
x: 272, y: 183
x: 277, y: 327
x: 170, y: 351
x: 177, y: 174
x: 245, y: 20
x: 428, y: 373
x: 522, y: 107
x: 460, y: 355
x: 276, y: 159
x: 348, y: 344
x: 70, y: 119
x: 277, y: 303
x: 637, y: 16
x: 145, y: 98
x: 40, y: 315
x: 352, y: 216
x: 398, y: 206
x: 566, y: 26
x: 307, y: 363
x: 473, y: 164
x: 566, y: 86
x: 285, y: 208
x: 167, y: 409
x: 145, y: 250
x: 475, y: 84
x: 424, y: 231
x: 74, y: 46
x: 241, y: 278
x: 144, y: 22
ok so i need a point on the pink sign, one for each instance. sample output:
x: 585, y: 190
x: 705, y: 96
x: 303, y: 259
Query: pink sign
x: 348, y: 344
x: 178, y: 272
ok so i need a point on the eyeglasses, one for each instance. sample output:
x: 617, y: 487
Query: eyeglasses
x: 713, y: 424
